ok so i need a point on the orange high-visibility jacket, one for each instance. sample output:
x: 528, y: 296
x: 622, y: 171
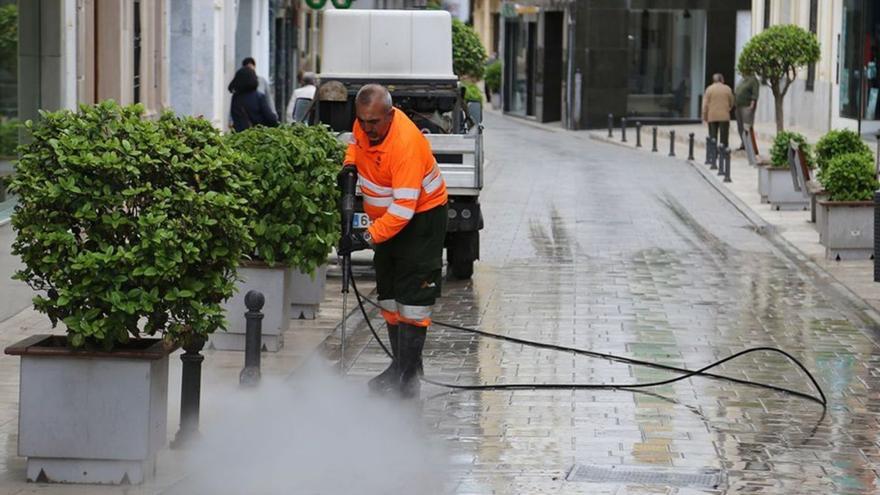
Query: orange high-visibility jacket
x: 398, y: 177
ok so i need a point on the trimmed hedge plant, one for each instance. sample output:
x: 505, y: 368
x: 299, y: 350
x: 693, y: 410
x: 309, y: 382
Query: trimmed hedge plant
x: 468, y: 53
x: 779, y: 150
x: 295, y: 219
x: 850, y: 177
x: 128, y: 226
x: 835, y: 143
x: 493, y: 76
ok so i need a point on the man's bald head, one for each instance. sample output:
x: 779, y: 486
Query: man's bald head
x: 373, y: 109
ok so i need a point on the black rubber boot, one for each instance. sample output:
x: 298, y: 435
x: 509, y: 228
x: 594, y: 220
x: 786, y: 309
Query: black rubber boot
x: 412, y: 341
x: 387, y: 380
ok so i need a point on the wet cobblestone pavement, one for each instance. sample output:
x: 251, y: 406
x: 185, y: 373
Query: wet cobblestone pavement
x: 598, y: 247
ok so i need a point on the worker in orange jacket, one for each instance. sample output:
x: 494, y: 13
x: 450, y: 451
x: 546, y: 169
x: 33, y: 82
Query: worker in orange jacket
x: 405, y: 197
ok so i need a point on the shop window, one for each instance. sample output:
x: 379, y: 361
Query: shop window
x: 766, y: 14
x: 9, y: 122
x: 814, y: 20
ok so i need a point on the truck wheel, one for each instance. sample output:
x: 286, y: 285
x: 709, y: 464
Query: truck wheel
x: 462, y: 269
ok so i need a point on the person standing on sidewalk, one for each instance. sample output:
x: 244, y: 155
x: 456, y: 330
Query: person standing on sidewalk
x: 717, y: 103
x: 405, y: 197
x: 746, y: 101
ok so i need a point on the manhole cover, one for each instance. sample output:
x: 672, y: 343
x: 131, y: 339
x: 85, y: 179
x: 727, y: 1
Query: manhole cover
x: 704, y: 478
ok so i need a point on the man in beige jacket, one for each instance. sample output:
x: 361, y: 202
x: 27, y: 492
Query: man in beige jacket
x: 717, y: 103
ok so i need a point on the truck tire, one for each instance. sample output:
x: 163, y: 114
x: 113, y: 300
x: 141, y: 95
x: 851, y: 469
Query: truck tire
x: 462, y: 249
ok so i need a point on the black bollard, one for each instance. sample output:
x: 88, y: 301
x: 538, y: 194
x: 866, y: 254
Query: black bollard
x: 654, y: 137
x: 190, y: 392
x: 877, y: 236
x: 691, y: 146
x: 721, y: 157
x: 727, y: 165
x: 708, y: 150
x: 623, y: 129
x: 250, y: 374
x: 672, y: 143
x: 713, y: 154
x: 610, y: 124
x: 638, y: 134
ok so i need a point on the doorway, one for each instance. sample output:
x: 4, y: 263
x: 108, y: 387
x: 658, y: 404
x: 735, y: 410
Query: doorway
x: 551, y: 102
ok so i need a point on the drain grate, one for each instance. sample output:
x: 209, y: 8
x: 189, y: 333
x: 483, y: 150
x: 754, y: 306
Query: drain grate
x: 704, y: 478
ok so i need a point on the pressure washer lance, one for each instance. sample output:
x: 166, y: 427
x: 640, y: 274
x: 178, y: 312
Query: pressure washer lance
x: 347, y: 184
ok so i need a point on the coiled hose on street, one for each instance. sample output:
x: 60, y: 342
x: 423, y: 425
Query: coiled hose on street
x: 685, y: 373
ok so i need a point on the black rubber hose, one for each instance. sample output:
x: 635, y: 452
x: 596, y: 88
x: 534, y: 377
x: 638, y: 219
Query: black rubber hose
x: 686, y: 373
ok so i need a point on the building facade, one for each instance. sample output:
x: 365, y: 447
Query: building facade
x: 843, y: 89
x: 578, y: 61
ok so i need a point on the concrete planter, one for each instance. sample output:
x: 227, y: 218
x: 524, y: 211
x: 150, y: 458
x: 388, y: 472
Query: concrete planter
x: 781, y: 193
x: 496, y: 101
x: 846, y: 229
x: 306, y: 292
x: 273, y: 283
x: 763, y: 182
x: 91, y: 417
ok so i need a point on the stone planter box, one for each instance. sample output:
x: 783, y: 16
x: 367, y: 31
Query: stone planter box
x: 846, y: 229
x: 763, y: 181
x: 780, y: 191
x: 91, y: 417
x: 306, y: 292
x: 817, y: 193
x: 273, y: 283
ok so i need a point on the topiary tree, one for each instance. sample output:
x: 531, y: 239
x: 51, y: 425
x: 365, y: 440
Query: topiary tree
x: 779, y: 150
x: 128, y: 226
x: 835, y: 143
x: 850, y: 177
x: 468, y: 53
x: 775, y: 56
x: 493, y: 76
x: 295, y: 219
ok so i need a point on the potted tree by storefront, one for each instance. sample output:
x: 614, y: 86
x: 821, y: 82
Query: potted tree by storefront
x: 129, y: 230
x: 847, y: 216
x: 781, y: 193
x: 493, y: 83
x: 835, y: 143
x: 294, y: 224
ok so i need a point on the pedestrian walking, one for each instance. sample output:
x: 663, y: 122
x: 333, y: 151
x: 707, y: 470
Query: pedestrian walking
x: 746, y: 102
x: 249, y: 107
x: 718, y: 102
x: 263, y: 84
x: 405, y: 197
x: 306, y: 90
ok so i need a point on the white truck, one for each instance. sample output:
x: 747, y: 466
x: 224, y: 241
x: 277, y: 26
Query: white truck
x: 409, y: 52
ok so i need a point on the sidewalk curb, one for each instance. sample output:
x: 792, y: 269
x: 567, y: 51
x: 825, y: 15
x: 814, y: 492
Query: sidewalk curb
x: 791, y: 252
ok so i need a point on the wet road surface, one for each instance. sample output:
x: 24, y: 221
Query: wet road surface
x: 598, y: 247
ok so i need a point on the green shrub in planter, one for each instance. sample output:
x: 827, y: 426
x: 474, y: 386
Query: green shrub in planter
x: 850, y: 177
x: 493, y: 76
x: 468, y: 53
x: 779, y: 151
x: 835, y: 143
x: 472, y: 92
x: 129, y: 226
x: 295, y: 219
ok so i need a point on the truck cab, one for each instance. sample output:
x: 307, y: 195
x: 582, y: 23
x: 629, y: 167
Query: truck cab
x: 410, y: 53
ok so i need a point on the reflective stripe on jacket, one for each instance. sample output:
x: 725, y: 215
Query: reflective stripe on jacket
x: 398, y: 177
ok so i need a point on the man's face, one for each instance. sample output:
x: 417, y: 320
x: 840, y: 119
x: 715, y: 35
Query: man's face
x: 374, y: 120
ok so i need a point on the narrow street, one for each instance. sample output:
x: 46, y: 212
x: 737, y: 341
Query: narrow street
x: 598, y: 247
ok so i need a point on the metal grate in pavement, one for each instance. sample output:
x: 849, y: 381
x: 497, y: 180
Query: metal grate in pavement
x: 704, y: 478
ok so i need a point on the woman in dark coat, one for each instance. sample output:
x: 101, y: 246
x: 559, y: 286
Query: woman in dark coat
x: 249, y: 106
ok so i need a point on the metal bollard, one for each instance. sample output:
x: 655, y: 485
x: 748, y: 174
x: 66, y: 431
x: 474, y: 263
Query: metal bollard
x: 713, y: 154
x: 877, y: 236
x: 727, y: 165
x: 610, y: 125
x: 250, y: 374
x: 721, y: 163
x: 190, y: 392
x: 672, y: 143
x: 638, y: 134
x: 623, y: 129
x: 654, y: 137
x: 708, y: 150
x: 691, y: 146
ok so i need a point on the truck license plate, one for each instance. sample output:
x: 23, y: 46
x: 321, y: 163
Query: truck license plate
x: 360, y: 221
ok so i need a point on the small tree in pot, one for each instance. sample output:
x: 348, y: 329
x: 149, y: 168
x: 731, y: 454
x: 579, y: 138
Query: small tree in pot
x: 126, y: 227
x: 294, y: 221
x: 835, y: 143
x: 846, y: 225
x: 776, y: 178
